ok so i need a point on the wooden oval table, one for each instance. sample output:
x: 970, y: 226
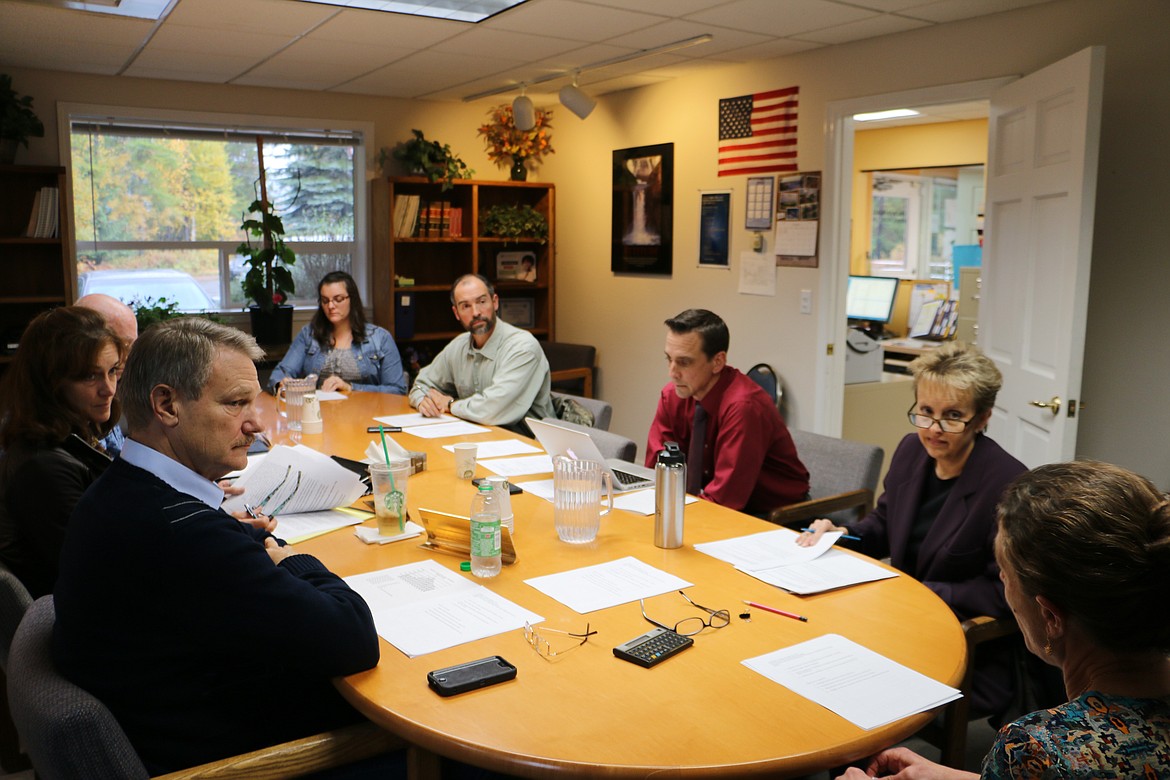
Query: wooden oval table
x: 587, y: 713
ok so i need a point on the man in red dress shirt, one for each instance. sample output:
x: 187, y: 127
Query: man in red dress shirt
x: 739, y: 451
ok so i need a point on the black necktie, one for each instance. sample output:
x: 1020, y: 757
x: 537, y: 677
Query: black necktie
x: 695, y: 451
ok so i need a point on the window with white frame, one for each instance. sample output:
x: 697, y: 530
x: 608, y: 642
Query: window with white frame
x: 918, y: 218
x: 158, y: 201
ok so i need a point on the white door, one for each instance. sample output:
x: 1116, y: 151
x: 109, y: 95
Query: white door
x: 1041, y: 187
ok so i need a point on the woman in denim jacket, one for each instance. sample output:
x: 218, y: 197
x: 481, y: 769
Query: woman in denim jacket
x: 340, y: 347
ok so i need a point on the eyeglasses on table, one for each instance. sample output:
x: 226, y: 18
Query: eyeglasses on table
x: 692, y: 625
x: 542, y: 646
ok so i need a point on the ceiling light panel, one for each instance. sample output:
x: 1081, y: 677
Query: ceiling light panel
x: 457, y: 10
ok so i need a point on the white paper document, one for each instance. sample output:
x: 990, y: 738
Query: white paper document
x: 498, y: 448
x: 306, y: 525
x: 330, y: 395
x: 757, y: 273
x: 414, y: 418
x: 858, y: 684
x: 291, y: 480
x: 370, y: 535
x: 541, y: 488
x: 834, y: 569
x: 459, y: 428
x: 515, y: 467
x: 641, y: 501
x: 607, y: 584
x: 422, y: 607
x: 767, y: 549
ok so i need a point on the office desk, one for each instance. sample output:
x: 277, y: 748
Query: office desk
x: 587, y: 713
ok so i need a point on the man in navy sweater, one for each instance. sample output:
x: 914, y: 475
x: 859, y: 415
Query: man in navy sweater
x: 206, y: 637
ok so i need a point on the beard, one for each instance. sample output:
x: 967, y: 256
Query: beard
x: 482, y: 325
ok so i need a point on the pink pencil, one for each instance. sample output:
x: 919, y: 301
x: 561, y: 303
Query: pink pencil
x: 776, y: 611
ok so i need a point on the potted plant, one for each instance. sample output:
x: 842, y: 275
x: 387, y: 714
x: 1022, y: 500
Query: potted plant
x: 521, y: 222
x: 18, y: 123
x: 431, y: 159
x: 268, y: 282
x: 506, y: 145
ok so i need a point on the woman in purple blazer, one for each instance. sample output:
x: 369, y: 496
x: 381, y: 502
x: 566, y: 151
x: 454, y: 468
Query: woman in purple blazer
x: 936, y: 518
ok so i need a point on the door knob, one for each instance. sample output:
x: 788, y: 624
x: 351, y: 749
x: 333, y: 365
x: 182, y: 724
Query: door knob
x: 1054, y: 404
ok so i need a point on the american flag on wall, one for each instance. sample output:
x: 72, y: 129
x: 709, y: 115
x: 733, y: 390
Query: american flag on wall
x: 757, y: 133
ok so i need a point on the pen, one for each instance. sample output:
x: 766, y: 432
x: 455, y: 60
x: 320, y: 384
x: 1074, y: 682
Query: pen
x: 843, y: 536
x: 386, y: 428
x: 792, y: 615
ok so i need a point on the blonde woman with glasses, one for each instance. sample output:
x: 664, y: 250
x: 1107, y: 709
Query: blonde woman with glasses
x: 340, y: 347
x: 936, y: 518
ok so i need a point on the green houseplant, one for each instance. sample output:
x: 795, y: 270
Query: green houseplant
x: 431, y: 159
x: 521, y: 222
x: 18, y: 123
x: 268, y: 282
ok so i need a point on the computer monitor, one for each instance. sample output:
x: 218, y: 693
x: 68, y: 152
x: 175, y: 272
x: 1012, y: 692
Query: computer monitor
x: 869, y: 301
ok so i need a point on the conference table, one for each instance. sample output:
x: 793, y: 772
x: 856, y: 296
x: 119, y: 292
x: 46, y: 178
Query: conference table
x: 587, y: 713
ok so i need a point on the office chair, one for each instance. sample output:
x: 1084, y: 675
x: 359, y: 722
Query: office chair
x: 14, y: 602
x: 601, y: 411
x: 843, y: 478
x: 611, y: 445
x: 570, y: 366
x: 70, y: 735
x: 766, y: 377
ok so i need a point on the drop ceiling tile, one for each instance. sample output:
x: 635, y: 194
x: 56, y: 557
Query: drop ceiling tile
x: 866, y: 28
x: 270, y: 16
x: 413, y: 32
x: 781, y: 17
x: 571, y: 20
x: 954, y: 10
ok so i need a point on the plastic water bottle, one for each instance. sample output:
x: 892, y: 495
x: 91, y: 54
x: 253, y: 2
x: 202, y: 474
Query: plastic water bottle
x: 485, y: 532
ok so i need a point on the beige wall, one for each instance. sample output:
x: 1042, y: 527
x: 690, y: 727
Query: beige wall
x: 901, y: 148
x: 622, y: 314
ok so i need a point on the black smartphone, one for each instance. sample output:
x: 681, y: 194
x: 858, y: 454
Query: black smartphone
x: 470, y: 676
x: 513, y: 489
x: 386, y: 428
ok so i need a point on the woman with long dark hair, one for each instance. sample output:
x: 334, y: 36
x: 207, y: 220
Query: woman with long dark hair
x: 58, y: 401
x: 340, y: 347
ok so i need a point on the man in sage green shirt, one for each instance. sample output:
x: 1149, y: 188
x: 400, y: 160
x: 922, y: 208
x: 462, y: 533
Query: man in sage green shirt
x: 496, y: 375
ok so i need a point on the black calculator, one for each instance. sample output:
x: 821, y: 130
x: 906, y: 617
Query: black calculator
x: 653, y: 647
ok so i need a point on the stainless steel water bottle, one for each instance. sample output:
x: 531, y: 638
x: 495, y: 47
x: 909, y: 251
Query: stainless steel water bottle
x: 670, y: 494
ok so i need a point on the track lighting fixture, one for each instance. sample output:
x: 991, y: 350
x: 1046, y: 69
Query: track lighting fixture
x: 575, y: 100
x: 523, y: 112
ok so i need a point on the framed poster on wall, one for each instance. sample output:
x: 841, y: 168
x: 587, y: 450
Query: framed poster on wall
x: 643, y: 210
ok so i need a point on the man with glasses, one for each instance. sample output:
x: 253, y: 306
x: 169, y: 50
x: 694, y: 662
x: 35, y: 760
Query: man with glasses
x: 496, y: 375
x: 936, y: 519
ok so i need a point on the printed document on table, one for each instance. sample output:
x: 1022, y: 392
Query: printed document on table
x: 858, y: 684
x: 330, y: 395
x: 641, y: 501
x: 515, y: 467
x: 607, y: 584
x: 306, y: 525
x: 291, y: 480
x: 414, y: 418
x: 498, y: 448
x: 834, y: 569
x: 423, y: 607
x: 459, y: 428
x: 541, y: 488
x: 767, y: 549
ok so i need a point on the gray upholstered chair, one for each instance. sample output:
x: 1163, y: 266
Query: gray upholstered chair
x: 14, y: 602
x: 843, y: 478
x: 71, y: 735
x: 601, y: 410
x: 571, y: 366
x: 611, y: 445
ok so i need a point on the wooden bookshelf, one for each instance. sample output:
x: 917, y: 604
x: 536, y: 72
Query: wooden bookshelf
x: 434, y: 262
x: 37, y: 272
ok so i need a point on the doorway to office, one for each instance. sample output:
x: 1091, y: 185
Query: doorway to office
x: 840, y: 218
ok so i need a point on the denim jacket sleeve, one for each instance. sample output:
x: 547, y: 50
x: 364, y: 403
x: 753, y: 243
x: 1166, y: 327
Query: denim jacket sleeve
x: 293, y: 362
x: 383, y: 364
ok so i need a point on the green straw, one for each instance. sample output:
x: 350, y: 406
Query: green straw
x: 394, y: 493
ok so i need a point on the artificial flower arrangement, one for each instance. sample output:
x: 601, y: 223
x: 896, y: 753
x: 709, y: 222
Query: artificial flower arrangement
x: 506, y: 145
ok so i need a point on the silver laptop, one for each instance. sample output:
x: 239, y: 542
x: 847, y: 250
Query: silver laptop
x: 558, y: 440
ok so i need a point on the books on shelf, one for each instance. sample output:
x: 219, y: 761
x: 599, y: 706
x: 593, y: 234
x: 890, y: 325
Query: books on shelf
x: 45, y: 214
x: 417, y: 218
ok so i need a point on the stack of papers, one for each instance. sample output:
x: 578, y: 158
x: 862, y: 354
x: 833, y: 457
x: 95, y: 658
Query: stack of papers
x: 302, y: 487
x: 439, y: 427
x: 422, y: 607
x: 775, y: 558
x: 858, y: 684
